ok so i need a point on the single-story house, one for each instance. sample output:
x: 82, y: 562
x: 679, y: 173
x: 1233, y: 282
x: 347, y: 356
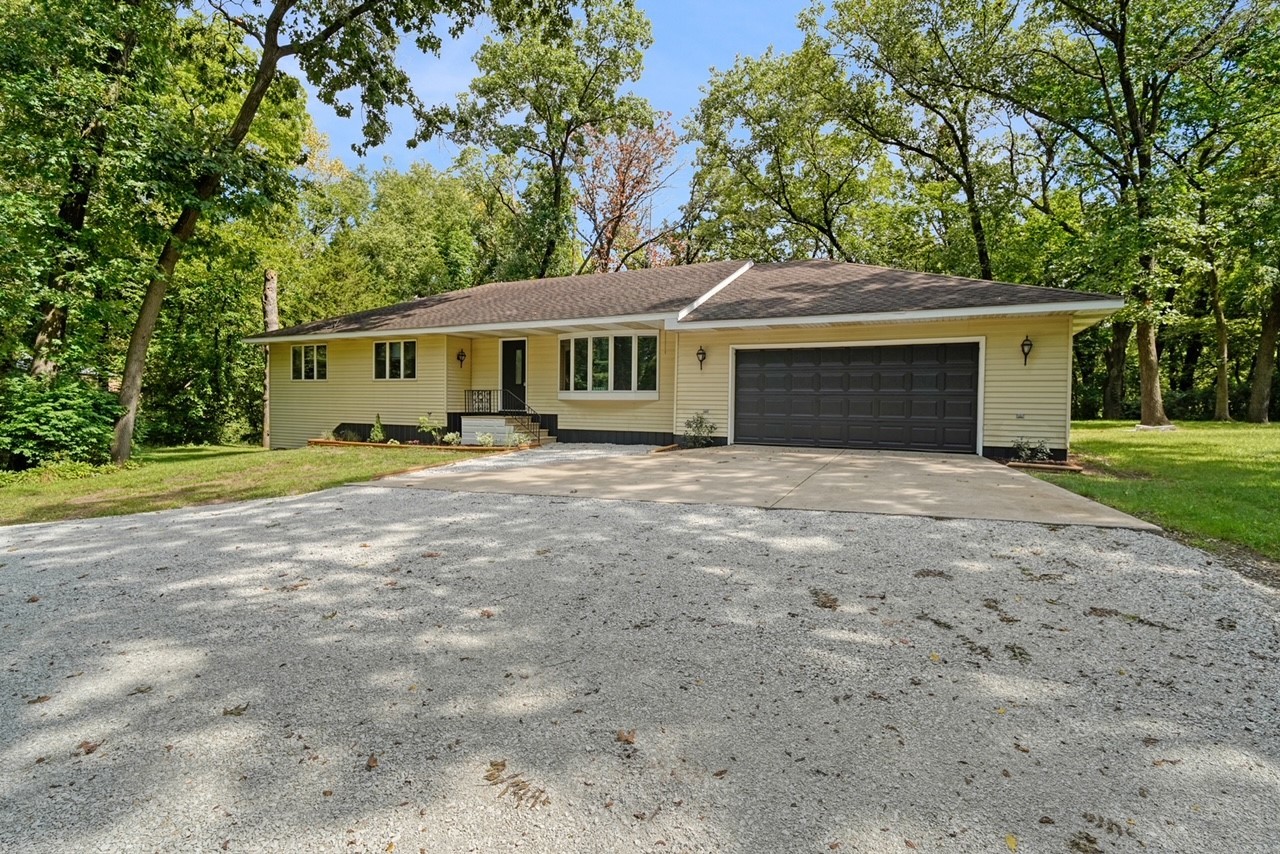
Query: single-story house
x: 804, y: 353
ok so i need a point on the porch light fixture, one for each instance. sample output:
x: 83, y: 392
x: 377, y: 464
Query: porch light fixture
x: 461, y: 357
x: 702, y: 357
x: 1026, y: 348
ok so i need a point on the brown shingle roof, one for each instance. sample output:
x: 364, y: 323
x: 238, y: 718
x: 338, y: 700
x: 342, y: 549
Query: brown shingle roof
x: 791, y: 289
x: 663, y: 290
x: 828, y: 288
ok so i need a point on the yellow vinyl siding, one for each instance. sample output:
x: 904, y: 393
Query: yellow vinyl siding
x: 1039, y: 392
x: 543, y: 386
x: 457, y: 376
x: 301, y: 410
x: 307, y: 409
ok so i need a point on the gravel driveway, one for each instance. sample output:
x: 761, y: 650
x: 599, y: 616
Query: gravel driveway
x: 378, y: 669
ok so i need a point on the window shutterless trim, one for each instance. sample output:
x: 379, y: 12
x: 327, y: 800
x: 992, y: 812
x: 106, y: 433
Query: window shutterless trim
x: 319, y: 362
x: 570, y: 367
x: 386, y: 359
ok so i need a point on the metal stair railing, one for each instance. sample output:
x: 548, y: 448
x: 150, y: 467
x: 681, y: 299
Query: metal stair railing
x: 499, y: 401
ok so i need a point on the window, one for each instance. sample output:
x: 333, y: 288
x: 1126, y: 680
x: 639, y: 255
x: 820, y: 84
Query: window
x: 621, y: 364
x: 310, y: 361
x: 395, y: 360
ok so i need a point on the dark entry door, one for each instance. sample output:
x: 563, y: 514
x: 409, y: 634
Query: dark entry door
x: 920, y: 397
x: 513, y: 375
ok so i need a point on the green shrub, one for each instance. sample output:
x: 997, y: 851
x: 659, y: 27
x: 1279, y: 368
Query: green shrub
x: 1024, y: 451
x: 377, y: 434
x: 64, y: 420
x: 699, y: 432
x: 431, y: 428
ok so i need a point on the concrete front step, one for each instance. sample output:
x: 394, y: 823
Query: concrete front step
x: 500, y: 427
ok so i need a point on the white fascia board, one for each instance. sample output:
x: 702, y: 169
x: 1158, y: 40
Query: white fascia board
x: 463, y: 330
x: 904, y: 316
x: 684, y: 312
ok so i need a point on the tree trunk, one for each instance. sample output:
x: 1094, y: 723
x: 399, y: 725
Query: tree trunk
x: 135, y: 362
x: 1264, y: 364
x: 50, y: 334
x: 136, y: 356
x: 72, y: 212
x: 1222, y: 397
x: 979, y: 234
x: 271, y: 322
x: 1149, y: 373
x: 1116, y: 358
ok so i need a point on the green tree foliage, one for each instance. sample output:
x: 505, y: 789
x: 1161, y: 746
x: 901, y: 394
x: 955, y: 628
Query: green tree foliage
x: 540, y: 90
x: 780, y: 176
x: 890, y: 70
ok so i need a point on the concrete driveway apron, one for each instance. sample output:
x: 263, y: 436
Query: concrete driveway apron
x: 954, y: 486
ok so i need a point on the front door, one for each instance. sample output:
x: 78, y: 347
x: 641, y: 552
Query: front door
x: 513, y: 374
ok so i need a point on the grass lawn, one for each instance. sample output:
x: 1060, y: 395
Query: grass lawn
x: 1218, y: 485
x: 179, y: 477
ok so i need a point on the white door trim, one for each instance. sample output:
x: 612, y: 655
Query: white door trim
x: 980, y: 340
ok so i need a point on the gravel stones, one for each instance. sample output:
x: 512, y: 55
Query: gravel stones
x: 960, y: 684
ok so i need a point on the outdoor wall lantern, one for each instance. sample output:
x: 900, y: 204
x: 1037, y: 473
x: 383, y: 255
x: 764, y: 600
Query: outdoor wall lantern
x: 702, y: 357
x: 461, y: 357
x: 1026, y: 348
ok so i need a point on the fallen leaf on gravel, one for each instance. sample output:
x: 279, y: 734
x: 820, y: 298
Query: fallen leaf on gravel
x: 720, y: 773
x: 1001, y: 710
x: 935, y: 657
x: 911, y: 844
x: 1011, y: 841
x: 823, y: 599
x: 86, y: 747
x: 431, y: 554
x: 626, y: 736
x: 371, y: 762
x: 1160, y: 763
x: 391, y: 846
x: 43, y: 698
x: 236, y: 711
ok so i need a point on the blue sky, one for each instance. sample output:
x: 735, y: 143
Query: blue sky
x: 689, y: 39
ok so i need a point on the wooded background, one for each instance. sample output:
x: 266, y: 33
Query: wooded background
x: 155, y: 160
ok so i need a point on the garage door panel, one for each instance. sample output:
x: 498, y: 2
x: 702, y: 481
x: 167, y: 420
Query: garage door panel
x: 915, y: 397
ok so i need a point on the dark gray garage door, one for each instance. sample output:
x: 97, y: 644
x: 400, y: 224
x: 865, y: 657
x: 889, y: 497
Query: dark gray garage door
x: 920, y: 397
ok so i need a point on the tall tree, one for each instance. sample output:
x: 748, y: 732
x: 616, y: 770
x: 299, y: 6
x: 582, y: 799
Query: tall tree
x: 620, y: 174
x: 894, y: 66
x: 338, y: 48
x: 539, y: 92
x: 72, y: 76
x: 780, y: 174
x: 1103, y: 72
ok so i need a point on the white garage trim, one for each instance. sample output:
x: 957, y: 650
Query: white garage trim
x: 980, y: 340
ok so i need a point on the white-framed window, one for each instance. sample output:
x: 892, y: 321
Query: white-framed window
x: 310, y: 361
x: 395, y: 360
x: 619, y: 365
